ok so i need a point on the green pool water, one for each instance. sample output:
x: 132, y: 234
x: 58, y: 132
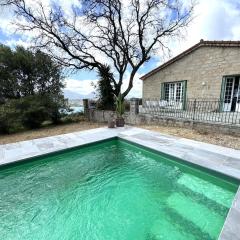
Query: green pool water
x: 109, y: 191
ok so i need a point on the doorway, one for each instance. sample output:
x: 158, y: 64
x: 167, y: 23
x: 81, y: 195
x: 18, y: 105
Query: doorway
x: 231, y: 94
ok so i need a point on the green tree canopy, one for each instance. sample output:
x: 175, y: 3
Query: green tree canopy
x: 25, y: 73
x: 31, y: 86
x: 104, y: 89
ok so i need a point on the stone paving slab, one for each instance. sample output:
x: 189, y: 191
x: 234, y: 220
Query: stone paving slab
x: 217, y: 158
x: 27, y: 149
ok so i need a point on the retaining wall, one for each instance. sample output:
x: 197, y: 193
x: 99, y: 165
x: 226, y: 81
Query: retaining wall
x: 131, y: 118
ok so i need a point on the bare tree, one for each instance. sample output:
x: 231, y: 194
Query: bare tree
x: 123, y: 33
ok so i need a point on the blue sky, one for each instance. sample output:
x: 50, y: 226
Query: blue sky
x: 214, y: 20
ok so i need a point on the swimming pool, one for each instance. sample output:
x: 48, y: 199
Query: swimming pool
x: 112, y: 190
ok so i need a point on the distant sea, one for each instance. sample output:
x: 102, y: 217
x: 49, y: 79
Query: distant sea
x: 77, y: 109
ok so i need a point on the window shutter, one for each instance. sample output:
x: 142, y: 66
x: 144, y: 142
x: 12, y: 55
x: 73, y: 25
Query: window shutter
x: 162, y: 91
x: 184, y: 94
x: 222, y: 94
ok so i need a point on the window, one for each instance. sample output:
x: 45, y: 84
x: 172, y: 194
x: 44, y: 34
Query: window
x: 229, y: 90
x: 173, y: 91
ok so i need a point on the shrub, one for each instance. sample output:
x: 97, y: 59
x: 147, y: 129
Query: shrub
x: 9, y: 121
x: 73, y: 118
x: 29, y: 112
x: 30, y: 90
x: 53, y: 104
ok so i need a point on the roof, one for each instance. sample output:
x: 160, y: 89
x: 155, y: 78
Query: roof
x: 202, y: 43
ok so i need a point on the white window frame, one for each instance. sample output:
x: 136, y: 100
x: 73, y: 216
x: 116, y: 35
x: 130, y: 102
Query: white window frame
x: 171, y: 91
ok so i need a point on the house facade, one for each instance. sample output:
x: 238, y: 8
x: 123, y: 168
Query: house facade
x: 208, y: 70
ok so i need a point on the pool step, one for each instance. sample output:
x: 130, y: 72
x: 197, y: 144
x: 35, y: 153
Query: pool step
x: 208, y: 221
x: 186, y: 226
x: 163, y: 229
x: 207, y: 189
x: 172, y: 226
x: 202, y: 199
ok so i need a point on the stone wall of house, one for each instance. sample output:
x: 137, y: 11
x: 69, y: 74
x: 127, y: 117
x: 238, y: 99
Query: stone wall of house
x: 203, y: 69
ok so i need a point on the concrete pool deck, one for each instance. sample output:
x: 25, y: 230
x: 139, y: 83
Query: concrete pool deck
x: 216, y: 158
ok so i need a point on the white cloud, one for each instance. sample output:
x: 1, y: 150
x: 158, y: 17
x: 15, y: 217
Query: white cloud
x: 136, y: 91
x: 18, y: 42
x: 7, y: 17
x: 83, y: 87
x: 213, y: 20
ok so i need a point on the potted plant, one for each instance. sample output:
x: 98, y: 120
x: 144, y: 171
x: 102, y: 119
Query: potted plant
x: 119, y: 102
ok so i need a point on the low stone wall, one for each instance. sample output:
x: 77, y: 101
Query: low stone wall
x: 146, y: 119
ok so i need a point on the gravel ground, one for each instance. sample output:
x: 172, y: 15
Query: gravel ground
x: 48, y: 131
x: 217, y: 139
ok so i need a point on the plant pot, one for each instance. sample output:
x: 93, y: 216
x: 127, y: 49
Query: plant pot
x: 111, y: 123
x: 120, y: 122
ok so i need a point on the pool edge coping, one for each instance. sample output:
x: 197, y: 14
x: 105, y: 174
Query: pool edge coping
x: 230, y: 229
x: 231, y: 225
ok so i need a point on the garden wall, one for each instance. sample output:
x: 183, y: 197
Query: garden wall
x: 135, y: 118
x: 145, y: 119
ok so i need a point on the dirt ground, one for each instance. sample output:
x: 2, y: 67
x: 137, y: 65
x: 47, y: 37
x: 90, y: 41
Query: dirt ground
x: 48, y: 131
x: 218, y: 139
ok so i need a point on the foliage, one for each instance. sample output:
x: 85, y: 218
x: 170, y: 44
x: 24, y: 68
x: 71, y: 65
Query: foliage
x: 9, y: 120
x: 30, y: 89
x: 33, y: 112
x: 125, y: 34
x: 73, y: 118
x: 120, y: 106
x: 55, y: 105
x: 28, y: 113
x: 25, y: 73
x: 104, y: 88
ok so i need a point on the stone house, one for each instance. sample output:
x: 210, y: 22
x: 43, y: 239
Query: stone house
x: 209, y: 70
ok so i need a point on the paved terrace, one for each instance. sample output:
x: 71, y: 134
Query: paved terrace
x: 216, y: 158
